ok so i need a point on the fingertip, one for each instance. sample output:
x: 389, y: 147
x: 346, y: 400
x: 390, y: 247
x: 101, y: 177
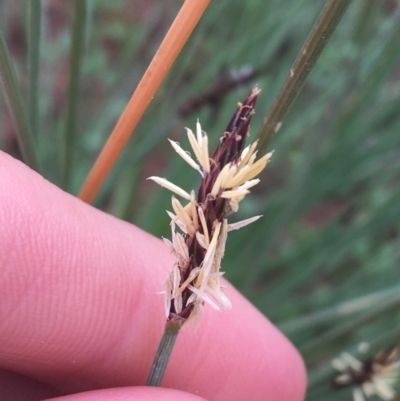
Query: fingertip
x: 131, y: 394
x: 290, y: 376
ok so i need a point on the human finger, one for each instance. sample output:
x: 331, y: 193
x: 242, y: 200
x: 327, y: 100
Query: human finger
x: 80, y: 309
x: 131, y: 394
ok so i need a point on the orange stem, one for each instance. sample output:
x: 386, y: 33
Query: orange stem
x: 180, y: 30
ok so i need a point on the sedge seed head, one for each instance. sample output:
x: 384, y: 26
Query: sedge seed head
x: 375, y: 376
x: 227, y: 177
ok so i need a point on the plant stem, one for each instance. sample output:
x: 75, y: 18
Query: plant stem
x: 344, y: 309
x: 318, y: 38
x: 169, y: 49
x: 312, y: 347
x: 78, y: 40
x: 163, y: 353
x: 34, y: 25
x: 15, y: 103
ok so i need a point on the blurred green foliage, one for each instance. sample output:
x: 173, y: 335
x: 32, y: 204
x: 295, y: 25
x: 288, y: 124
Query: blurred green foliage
x: 323, y: 262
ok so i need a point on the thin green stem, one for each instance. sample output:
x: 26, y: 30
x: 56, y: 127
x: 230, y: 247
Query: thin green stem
x: 367, y: 12
x: 163, y: 353
x: 342, y: 310
x: 70, y: 134
x: 318, y: 38
x: 15, y: 103
x: 124, y: 194
x: 34, y: 24
x: 315, y: 345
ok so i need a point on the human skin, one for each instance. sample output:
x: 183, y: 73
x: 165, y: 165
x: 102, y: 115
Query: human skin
x: 80, y: 311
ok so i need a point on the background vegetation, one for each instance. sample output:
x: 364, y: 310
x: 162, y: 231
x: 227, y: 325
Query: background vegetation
x: 323, y: 262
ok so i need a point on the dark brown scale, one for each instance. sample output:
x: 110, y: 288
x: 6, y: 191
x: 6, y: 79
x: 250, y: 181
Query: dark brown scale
x: 356, y: 377
x: 228, y: 150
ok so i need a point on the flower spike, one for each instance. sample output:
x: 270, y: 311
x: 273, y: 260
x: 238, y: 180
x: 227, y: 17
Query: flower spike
x: 226, y: 179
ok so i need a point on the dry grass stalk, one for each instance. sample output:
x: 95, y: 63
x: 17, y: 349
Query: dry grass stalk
x: 176, y: 37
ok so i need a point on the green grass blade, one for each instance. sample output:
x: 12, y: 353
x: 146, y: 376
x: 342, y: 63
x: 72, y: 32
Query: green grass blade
x: 324, y: 27
x: 76, y: 58
x: 342, y: 310
x: 16, y: 106
x: 317, y: 344
x: 34, y: 28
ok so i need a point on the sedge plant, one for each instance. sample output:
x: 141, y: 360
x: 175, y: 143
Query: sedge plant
x: 187, y: 281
